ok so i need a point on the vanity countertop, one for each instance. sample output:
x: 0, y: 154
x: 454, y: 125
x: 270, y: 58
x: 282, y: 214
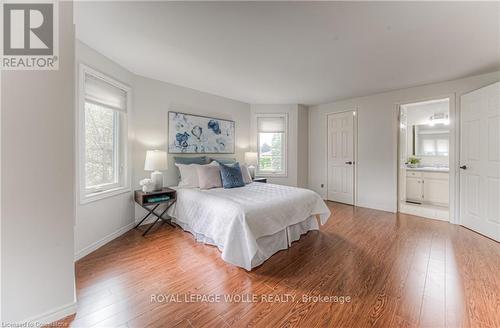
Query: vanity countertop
x: 429, y: 169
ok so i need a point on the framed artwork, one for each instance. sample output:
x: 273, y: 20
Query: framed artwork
x: 194, y: 134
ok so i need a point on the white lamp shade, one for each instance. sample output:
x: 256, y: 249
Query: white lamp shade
x: 156, y: 160
x: 251, y: 158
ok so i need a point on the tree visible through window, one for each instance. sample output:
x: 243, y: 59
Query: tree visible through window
x: 271, y: 131
x: 100, y: 146
x: 271, y: 152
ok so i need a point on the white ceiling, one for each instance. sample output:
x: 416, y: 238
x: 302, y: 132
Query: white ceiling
x: 295, y: 52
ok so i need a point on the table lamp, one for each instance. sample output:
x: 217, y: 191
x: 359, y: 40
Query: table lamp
x: 156, y: 161
x: 251, y: 161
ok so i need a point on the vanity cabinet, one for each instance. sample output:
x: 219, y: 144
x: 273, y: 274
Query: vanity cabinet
x: 414, y: 191
x: 427, y: 187
x: 436, y: 188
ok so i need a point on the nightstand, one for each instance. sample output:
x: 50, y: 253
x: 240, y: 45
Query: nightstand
x: 263, y: 180
x: 150, y: 201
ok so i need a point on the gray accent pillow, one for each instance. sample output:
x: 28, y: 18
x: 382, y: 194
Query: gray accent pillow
x: 209, y: 176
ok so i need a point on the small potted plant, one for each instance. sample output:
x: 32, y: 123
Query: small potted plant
x: 413, y: 161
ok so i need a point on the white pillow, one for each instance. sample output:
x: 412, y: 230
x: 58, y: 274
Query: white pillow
x: 189, y: 175
x: 247, y: 178
x: 209, y: 176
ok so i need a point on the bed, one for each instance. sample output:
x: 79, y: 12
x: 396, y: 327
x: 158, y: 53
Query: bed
x: 251, y: 223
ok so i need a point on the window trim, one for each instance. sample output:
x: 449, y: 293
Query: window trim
x: 268, y: 174
x: 124, y: 177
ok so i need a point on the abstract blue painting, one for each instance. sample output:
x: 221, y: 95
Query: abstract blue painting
x: 193, y: 134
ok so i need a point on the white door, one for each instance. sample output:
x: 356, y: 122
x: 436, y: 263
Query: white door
x: 480, y: 161
x: 341, y: 157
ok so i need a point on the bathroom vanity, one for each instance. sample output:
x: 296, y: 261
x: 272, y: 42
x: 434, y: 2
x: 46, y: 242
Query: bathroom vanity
x: 427, y: 185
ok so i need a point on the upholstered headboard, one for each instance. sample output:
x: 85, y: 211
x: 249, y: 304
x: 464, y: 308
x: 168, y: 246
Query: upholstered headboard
x: 198, y: 160
x: 191, y: 160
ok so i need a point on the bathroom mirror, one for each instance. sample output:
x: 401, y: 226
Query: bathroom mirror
x: 431, y: 140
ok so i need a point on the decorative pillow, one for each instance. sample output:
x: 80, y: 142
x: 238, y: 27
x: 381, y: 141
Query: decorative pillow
x: 189, y: 175
x: 247, y: 178
x: 209, y: 176
x: 231, y: 176
x: 226, y: 161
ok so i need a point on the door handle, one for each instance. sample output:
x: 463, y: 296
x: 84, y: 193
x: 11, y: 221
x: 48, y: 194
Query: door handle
x: 349, y: 163
x: 463, y: 167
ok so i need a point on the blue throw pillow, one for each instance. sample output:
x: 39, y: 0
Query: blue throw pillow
x: 231, y: 176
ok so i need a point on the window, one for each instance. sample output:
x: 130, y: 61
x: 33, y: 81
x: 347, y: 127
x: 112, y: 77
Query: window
x: 271, y: 144
x: 101, y: 151
x: 103, y: 136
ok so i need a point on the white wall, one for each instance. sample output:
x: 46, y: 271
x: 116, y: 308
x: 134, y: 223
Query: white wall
x: 420, y: 113
x: 377, y: 137
x: 302, y: 146
x: 37, y: 189
x: 100, y: 221
x: 153, y: 99
x: 1, y: 212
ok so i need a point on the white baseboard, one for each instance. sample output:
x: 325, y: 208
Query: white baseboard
x: 370, y: 206
x: 51, y: 315
x: 375, y: 206
x: 89, y: 249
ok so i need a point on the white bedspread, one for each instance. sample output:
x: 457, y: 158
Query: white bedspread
x: 233, y: 219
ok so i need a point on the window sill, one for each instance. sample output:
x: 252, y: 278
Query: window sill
x: 92, y: 197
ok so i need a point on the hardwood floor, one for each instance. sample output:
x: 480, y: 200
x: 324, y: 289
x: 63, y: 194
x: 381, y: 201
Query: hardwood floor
x: 398, y: 270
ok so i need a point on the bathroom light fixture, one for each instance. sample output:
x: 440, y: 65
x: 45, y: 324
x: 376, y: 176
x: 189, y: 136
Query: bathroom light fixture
x: 440, y: 118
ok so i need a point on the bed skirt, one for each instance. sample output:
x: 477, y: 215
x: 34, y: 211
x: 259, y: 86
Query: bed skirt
x: 267, y: 245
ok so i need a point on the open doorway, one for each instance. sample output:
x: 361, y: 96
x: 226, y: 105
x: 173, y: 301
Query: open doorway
x: 424, y: 159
